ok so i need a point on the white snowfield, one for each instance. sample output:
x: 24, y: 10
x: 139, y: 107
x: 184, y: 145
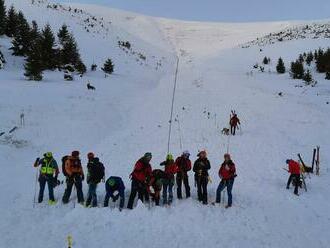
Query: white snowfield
x: 128, y: 115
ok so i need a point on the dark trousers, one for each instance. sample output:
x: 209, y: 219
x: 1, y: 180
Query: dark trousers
x: 42, y: 182
x: 168, y: 188
x: 233, y: 130
x: 77, y: 182
x: 202, y: 182
x: 91, y: 196
x: 179, y: 180
x: 222, y: 185
x: 296, y: 177
x: 121, y: 195
x: 138, y: 188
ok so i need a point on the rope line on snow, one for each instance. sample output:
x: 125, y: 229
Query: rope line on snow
x: 172, y: 106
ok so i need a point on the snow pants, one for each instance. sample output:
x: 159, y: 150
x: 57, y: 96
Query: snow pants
x: 179, y: 180
x: 121, y: 195
x: 77, y: 182
x: 202, y: 182
x: 43, y: 179
x: 91, y: 196
x: 168, y: 191
x: 222, y: 185
x: 139, y: 188
x: 297, y: 179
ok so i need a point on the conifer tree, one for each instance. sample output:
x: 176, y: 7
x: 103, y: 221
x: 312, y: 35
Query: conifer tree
x: 108, y: 66
x: 265, y: 61
x: 297, y: 70
x: 3, y: 17
x: 12, y: 22
x: 309, y: 58
x: 33, y: 66
x: 48, y: 51
x: 308, y: 77
x: 21, y: 39
x: 63, y: 34
x: 280, y: 68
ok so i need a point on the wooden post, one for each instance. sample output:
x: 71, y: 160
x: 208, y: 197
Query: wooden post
x: 318, y: 160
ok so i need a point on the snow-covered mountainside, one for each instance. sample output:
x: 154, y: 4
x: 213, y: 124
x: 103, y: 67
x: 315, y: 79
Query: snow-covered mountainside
x: 128, y: 115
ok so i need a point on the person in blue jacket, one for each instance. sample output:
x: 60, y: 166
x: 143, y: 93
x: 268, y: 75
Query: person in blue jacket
x: 112, y: 185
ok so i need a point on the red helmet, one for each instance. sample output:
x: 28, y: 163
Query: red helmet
x: 90, y: 155
x: 227, y: 155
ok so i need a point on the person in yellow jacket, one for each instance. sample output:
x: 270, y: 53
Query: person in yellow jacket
x: 48, y: 174
x: 74, y: 176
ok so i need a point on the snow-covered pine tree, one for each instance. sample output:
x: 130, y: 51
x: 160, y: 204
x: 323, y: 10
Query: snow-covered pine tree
x: 63, y: 34
x: 33, y: 66
x: 49, y: 57
x: 309, y: 58
x: 12, y: 22
x: 3, y: 17
x: 280, y: 67
x: 108, y: 66
x: 22, y: 38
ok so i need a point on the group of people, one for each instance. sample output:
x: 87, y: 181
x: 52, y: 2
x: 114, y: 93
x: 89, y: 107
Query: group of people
x: 146, y: 182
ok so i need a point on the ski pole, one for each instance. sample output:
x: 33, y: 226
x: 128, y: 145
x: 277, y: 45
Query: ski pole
x: 35, y: 189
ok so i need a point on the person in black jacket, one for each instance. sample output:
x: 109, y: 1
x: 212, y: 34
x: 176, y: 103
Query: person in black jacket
x: 201, y: 167
x: 95, y: 175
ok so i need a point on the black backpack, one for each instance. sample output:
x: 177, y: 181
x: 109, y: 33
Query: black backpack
x: 97, y: 171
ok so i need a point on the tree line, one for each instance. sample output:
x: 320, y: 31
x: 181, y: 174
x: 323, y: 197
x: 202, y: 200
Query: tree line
x: 42, y: 48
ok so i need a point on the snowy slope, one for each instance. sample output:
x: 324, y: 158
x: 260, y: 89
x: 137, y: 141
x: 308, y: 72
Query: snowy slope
x: 128, y: 115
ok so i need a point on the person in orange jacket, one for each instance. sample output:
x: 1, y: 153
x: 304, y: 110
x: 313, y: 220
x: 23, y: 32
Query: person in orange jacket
x: 75, y: 176
x: 294, y: 170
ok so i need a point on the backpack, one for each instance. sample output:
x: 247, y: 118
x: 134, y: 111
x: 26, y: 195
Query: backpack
x: 97, y: 172
x: 64, y: 159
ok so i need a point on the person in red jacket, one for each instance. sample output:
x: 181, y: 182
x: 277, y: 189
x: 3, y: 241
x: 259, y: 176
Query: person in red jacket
x: 183, y: 164
x: 227, y: 173
x: 234, y: 122
x: 140, y: 179
x: 294, y: 170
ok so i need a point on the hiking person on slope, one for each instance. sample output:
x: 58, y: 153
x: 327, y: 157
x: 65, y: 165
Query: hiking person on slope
x: 294, y: 170
x: 227, y: 173
x: 94, y: 176
x: 48, y: 174
x: 156, y: 183
x: 168, y: 181
x: 75, y: 176
x: 183, y: 165
x: 112, y: 185
x: 234, y: 122
x: 140, y: 178
x: 201, y: 167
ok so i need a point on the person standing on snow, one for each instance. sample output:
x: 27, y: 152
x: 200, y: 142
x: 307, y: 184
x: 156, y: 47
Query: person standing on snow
x: 156, y: 183
x: 95, y: 175
x: 201, y: 167
x: 112, y: 185
x: 227, y: 173
x: 168, y: 181
x: 48, y: 174
x: 140, y: 178
x: 75, y: 176
x: 294, y: 170
x: 183, y: 165
x: 234, y: 122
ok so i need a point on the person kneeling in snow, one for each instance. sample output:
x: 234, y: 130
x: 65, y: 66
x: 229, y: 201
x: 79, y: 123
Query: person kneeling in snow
x: 156, y: 183
x: 48, y: 174
x: 294, y: 170
x: 227, y: 173
x: 112, y: 185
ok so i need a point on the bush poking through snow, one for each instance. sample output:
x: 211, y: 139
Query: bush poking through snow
x: 108, y: 66
x: 2, y: 60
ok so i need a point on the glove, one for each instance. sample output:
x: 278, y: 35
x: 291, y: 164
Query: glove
x: 82, y: 177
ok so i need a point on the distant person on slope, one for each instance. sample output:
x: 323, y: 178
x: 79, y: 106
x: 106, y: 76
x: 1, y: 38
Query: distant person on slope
x: 201, y: 167
x: 227, y: 173
x: 140, y: 179
x: 168, y: 182
x: 48, y: 174
x: 294, y: 170
x: 183, y: 165
x: 156, y: 183
x: 234, y: 122
x: 75, y: 176
x: 112, y: 185
x: 94, y: 176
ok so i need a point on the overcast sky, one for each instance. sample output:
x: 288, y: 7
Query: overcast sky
x: 223, y: 10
